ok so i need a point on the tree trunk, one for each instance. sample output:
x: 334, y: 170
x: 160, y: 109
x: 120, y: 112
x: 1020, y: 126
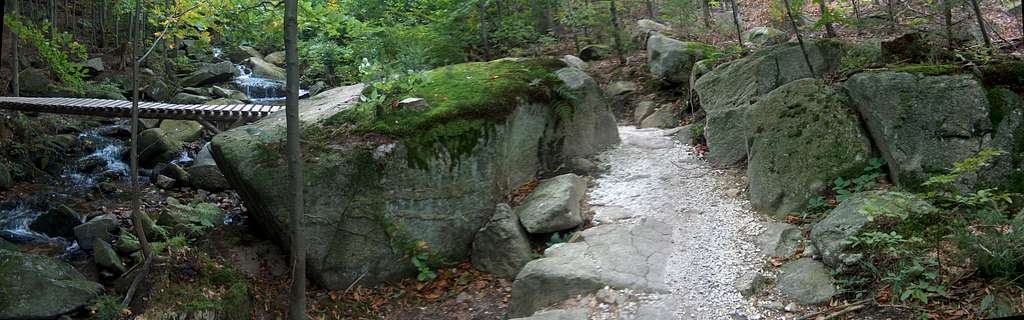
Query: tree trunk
x: 297, y: 297
x: 799, y: 38
x: 483, y: 30
x: 856, y: 14
x: 981, y: 23
x: 15, y: 61
x: 706, y: 7
x: 947, y: 21
x: 616, y: 33
x: 650, y: 10
x: 52, y: 13
x: 736, y: 21
x: 830, y: 32
x: 893, y: 21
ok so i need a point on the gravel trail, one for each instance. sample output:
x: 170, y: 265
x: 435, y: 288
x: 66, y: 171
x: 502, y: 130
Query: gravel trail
x: 652, y: 175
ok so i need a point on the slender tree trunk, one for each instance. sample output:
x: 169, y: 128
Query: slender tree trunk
x: 52, y: 13
x: 799, y: 38
x: 483, y: 30
x: 736, y: 21
x: 297, y: 309
x: 830, y: 32
x: 947, y: 21
x: 981, y: 23
x: 616, y: 33
x: 168, y: 73
x: 856, y: 14
x: 706, y: 7
x: 650, y: 10
x: 15, y: 57
x: 893, y: 20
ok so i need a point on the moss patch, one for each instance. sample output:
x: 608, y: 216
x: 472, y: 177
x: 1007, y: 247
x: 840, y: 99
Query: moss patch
x: 927, y: 69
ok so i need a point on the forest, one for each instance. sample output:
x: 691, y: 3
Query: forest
x: 511, y: 159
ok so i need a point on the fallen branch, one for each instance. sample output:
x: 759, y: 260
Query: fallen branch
x: 844, y: 309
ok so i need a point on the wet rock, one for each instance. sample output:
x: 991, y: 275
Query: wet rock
x: 40, y: 287
x: 204, y: 173
x: 159, y: 90
x: 106, y: 257
x: 502, y: 247
x: 575, y: 62
x: 276, y: 57
x: 830, y: 234
x: 780, y: 240
x: 57, y: 222
x: 210, y: 73
x: 605, y: 256
x: 760, y: 37
x: 188, y: 98
x: 554, y: 205
x: 182, y: 130
x: 225, y: 93
x: 802, y: 136
x: 98, y: 228
x: 807, y: 281
x: 595, y: 52
x: 156, y: 147
x: 264, y: 69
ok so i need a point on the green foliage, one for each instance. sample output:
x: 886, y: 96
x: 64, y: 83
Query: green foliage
x: 425, y: 272
x: 868, y: 180
x: 969, y: 165
x: 56, y: 52
x: 198, y: 215
x: 107, y: 307
x: 915, y: 280
x: 861, y: 56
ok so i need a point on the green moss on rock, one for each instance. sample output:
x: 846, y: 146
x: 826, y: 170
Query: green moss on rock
x: 931, y: 70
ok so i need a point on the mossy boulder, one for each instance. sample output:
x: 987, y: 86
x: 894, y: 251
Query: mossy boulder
x: 384, y: 185
x: 40, y: 287
x: 760, y: 37
x: 802, y: 136
x: 157, y: 147
x: 923, y: 124
x: 210, y: 73
x: 182, y: 130
x: 595, y: 52
x: 262, y: 68
x: 59, y: 221
x: 731, y: 88
x: 672, y: 60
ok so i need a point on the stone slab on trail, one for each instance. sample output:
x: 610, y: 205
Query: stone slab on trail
x: 621, y: 256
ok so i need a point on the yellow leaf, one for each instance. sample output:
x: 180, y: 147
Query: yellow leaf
x: 157, y: 34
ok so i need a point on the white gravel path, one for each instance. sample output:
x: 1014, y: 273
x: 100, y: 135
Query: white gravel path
x: 652, y: 175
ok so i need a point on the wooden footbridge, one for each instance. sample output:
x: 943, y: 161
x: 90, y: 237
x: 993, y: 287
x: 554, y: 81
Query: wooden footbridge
x: 205, y: 114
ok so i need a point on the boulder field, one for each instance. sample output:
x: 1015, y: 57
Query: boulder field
x: 387, y: 184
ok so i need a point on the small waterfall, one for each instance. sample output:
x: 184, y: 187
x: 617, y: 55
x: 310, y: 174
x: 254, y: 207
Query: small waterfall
x: 261, y: 90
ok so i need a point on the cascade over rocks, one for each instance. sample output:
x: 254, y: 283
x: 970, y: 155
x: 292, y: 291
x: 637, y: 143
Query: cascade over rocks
x: 40, y: 287
x: 210, y: 73
x: 727, y: 92
x: 264, y: 69
x: 372, y: 199
x: 923, y: 124
x: 802, y: 136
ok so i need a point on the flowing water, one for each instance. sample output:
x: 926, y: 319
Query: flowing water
x: 259, y: 90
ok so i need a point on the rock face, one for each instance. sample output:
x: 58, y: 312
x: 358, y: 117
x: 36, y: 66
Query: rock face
x: 502, y: 247
x: 806, y: 281
x: 922, y: 124
x: 554, y: 205
x: 847, y: 219
x: 276, y: 57
x: 57, y: 222
x: 672, y: 60
x: 106, y: 257
x: 210, y: 73
x: 760, y: 37
x: 182, y: 130
x: 727, y: 92
x: 98, y: 228
x: 370, y: 202
x: 204, y: 173
x: 39, y: 287
x: 605, y: 256
x: 802, y: 136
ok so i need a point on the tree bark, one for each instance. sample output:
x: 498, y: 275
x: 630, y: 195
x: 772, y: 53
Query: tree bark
x: 706, y: 7
x: 736, y: 21
x: 297, y: 297
x: 947, y: 21
x: 15, y: 61
x: 856, y: 14
x: 52, y: 13
x: 483, y: 30
x: 650, y: 10
x: 981, y: 23
x: 616, y: 33
x: 799, y: 38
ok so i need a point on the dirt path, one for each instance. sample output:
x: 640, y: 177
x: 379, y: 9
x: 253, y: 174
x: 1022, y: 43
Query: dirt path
x: 652, y: 175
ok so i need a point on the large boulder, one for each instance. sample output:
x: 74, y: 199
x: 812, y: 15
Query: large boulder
x: 101, y: 227
x: 34, y: 82
x: 760, y: 37
x: 157, y: 147
x: 159, y: 90
x: 672, y: 60
x: 730, y: 89
x: 802, y: 136
x: 204, y: 174
x: 210, y: 73
x: 554, y: 205
x: 923, y: 124
x: 40, y: 287
x: 276, y: 58
x: 595, y: 52
x: 188, y: 98
x: 502, y: 247
x: 59, y: 221
x: 644, y: 29
x: 182, y: 130
x: 419, y: 183
x: 619, y: 256
x: 263, y: 69
x: 807, y: 281
x: 850, y: 217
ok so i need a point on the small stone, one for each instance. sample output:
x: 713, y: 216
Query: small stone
x: 620, y: 88
x: 792, y: 307
x: 462, y: 298
x: 164, y: 182
x: 607, y: 295
x: 414, y: 104
x: 750, y: 283
x: 554, y: 205
x: 807, y: 281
